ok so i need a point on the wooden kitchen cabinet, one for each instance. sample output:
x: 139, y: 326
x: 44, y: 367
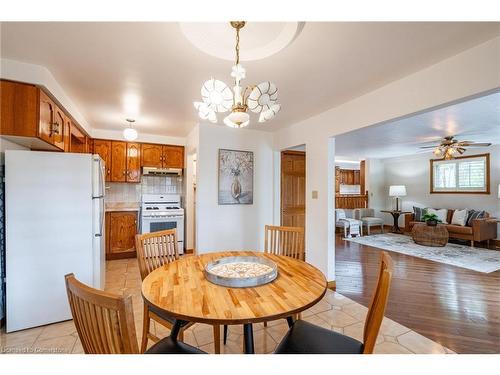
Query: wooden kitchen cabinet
x: 162, y: 156
x: 133, y: 162
x: 20, y: 104
x: 121, y: 228
x: 31, y: 118
x: 103, y: 148
x: 47, y: 115
x: 173, y: 157
x: 78, y: 140
x: 152, y: 155
x: 125, y: 162
x: 118, y: 161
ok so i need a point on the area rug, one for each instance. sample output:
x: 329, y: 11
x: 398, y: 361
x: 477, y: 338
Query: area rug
x: 472, y: 258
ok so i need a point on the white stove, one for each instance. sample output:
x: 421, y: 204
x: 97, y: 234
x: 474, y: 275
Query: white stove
x: 161, y: 212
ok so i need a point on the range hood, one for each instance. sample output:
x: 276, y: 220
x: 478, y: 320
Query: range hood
x: 150, y: 171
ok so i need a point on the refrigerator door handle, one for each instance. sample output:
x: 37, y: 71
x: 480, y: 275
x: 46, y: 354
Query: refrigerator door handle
x: 101, y: 219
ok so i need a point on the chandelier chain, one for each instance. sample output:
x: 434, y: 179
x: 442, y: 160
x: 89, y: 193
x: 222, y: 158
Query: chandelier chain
x: 237, y: 46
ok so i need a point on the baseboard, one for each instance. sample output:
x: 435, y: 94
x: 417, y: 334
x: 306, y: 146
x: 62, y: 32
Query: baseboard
x: 124, y: 255
x: 332, y: 285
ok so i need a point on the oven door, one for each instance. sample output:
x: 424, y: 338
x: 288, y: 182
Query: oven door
x: 155, y: 224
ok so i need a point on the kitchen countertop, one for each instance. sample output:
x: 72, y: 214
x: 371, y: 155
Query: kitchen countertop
x: 121, y: 206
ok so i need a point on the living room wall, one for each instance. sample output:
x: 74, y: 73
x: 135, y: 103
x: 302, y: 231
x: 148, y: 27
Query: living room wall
x: 414, y: 172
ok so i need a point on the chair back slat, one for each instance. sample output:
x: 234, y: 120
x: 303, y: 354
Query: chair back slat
x: 104, y: 322
x: 155, y: 250
x: 287, y: 241
x: 378, y: 304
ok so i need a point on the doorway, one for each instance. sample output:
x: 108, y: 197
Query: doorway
x: 293, y: 188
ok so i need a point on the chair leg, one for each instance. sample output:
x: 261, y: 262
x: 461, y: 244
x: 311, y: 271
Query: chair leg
x: 368, y: 229
x: 472, y: 243
x: 217, y: 338
x: 146, y: 321
x: 265, y: 324
x: 382, y: 228
x: 181, y: 335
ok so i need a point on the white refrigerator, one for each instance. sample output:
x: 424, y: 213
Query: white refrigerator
x: 54, y: 225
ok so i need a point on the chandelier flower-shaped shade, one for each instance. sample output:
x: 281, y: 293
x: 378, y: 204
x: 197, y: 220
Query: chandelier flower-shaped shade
x: 218, y: 97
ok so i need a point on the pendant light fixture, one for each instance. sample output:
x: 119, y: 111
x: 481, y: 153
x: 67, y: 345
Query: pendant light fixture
x: 218, y: 97
x: 129, y: 133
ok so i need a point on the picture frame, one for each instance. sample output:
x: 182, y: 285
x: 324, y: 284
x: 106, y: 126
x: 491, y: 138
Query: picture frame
x: 235, y: 177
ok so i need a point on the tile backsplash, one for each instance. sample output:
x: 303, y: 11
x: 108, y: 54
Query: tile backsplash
x: 122, y: 192
x: 125, y: 192
x: 161, y: 185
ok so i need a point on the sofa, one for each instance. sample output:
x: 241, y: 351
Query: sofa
x: 483, y: 229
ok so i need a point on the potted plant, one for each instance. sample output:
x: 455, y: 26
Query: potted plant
x: 431, y: 219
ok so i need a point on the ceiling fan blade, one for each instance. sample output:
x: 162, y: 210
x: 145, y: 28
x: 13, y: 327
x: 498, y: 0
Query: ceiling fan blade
x: 429, y: 146
x: 478, y: 144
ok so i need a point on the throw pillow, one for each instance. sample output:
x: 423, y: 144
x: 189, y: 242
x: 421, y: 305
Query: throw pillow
x: 459, y: 217
x: 473, y: 214
x: 418, y: 212
x: 441, y: 214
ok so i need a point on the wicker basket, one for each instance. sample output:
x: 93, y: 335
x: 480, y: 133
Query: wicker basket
x: 427, y: 235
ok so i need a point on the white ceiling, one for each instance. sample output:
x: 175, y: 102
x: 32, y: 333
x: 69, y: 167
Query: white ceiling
x: 475, y: 120
x: 160, y: 72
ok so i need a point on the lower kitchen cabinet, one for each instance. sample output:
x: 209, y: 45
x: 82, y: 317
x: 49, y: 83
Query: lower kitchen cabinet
x: 121, y: 228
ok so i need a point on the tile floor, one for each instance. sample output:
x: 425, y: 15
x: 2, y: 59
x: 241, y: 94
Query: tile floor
x: 334, y: 312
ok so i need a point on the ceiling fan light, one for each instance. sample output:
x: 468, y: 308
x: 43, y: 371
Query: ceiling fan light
x: 130, y: 134
x: 237, y: 120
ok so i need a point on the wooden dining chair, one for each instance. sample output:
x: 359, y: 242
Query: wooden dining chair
x: 105, y: 323
x: 307, y: 338
x: 153, y: 251
x: 287, y: 241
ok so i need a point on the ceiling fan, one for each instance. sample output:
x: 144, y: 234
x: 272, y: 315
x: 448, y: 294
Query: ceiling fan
x: 451, y: 147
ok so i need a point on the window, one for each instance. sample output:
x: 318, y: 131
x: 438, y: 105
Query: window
x: 466, y: 174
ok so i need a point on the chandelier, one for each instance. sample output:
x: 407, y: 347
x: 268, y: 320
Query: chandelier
x: 218, y: 97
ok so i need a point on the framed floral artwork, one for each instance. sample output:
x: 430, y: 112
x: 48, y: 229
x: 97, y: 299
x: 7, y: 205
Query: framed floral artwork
x: 235, y: 177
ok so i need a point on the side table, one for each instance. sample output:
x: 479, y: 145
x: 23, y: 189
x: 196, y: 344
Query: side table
x: 395, y: 216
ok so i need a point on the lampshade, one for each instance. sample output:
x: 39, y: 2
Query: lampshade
x: 237, y: 119
x: 397, y: 191
x: 130, y: 134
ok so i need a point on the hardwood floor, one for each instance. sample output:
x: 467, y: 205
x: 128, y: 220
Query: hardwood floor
x: 456, y: 307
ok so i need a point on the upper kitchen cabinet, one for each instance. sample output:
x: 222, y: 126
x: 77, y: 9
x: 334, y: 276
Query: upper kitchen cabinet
x: 125, y: 162
x: 103, y: 148
x: 118, y: 161
x: 133, y: 162
x: 31, y: 118
x: 78, y: 140
x: 160, y: 156
x: 152, y: 155
x: 19, y: 109
x: 173, y: 156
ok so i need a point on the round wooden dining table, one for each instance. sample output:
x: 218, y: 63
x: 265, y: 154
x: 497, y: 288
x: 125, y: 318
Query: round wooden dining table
x: 181, y: 290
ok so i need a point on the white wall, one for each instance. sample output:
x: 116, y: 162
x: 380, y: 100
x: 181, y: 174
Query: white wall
x: 467, y: 74
x: 232, y: 227
x: 414, y: 173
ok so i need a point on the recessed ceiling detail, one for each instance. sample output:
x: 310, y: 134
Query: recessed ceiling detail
x: 258, y: 39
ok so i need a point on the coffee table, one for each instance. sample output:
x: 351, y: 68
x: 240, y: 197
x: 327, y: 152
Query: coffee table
x: 426, y: 235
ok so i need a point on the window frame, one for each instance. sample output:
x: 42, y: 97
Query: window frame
x: 458, y: 191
